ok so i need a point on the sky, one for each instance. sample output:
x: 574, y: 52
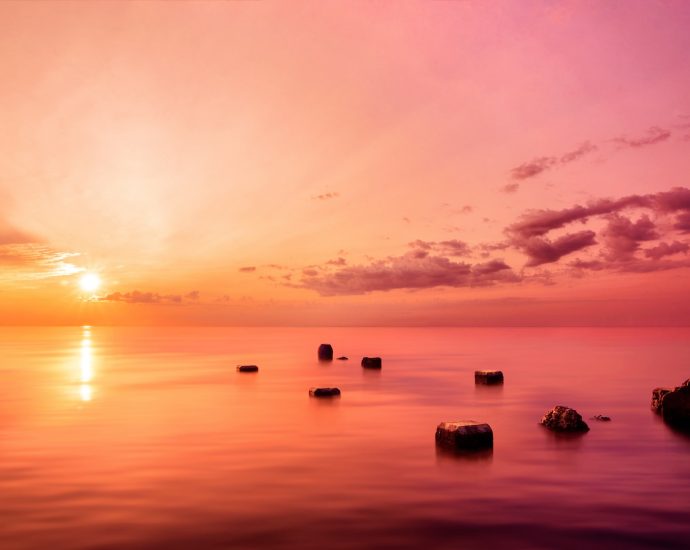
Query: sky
x: 319, y: 163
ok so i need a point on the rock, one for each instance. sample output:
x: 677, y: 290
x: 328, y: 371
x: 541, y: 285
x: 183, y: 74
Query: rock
x: 564, y: 419
x: 601, y: 418
x: 247, y: 368
x: 343, y: 358
x: 488, y: 377
x: 657, y: 396
x: 465, y: 435
x: 324, y: 392
x: 325, y: 352
x: 674, y: 405
x: 371, y: 362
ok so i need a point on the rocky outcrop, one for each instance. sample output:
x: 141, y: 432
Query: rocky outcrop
x: 673, y: 405
x: 324, y: 392
x: 657, y: 396
x: 371, y: 362
x: 325, y: 352
x: 466, y: 435
x: 564, y: 419
x: 488, y: 377
x: 247, y: 368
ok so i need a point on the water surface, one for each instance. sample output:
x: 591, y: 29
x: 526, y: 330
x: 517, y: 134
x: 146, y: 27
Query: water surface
x: 148, y: 438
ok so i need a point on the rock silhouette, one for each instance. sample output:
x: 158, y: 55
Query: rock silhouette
x: 467, y: 435
x: 324, y: 392
x: 673, y: 404
x: 371, y: 362
x: 325, y: 352
x: 488, y: 377
x: 564, y: 419
x: 247, y: 368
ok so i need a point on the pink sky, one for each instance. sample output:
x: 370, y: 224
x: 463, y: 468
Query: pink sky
x: 472, y: 163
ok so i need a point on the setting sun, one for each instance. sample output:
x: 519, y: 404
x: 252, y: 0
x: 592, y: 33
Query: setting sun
x: 89, y: 282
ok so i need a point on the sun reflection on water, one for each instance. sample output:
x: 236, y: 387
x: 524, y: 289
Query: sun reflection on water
x: 86, y: 365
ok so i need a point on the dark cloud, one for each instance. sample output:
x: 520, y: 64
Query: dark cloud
x: 452, y: 247
x: 654, y: 135
x: 683, y: 222
x: 408, y: 271
x: 138, y: 297
x: 666, y: 249
x: 247, y: 269
x: 622, y: 236
x: 540, y: 250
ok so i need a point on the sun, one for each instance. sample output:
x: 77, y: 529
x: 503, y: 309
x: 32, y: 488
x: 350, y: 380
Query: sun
x: 89, y: 282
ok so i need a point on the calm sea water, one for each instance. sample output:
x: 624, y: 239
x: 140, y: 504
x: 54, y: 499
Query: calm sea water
x: 148, y: 438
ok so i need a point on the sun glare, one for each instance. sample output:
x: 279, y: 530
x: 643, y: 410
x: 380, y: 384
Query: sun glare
x: 90, y: 282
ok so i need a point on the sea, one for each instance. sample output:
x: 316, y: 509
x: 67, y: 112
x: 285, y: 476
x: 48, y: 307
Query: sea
x: 148, y: 438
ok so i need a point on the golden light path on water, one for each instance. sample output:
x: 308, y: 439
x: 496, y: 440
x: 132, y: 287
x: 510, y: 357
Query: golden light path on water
x: 86, y: 365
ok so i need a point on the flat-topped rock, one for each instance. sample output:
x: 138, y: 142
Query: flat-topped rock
x: 673, y: 404
x: 371, y: 362
x: 325, y: 352
x: 564, y: 419
x: 247, y: 368
x: 324, y: 392
x: 488, y: 377
x: 343, y: 358
x: 466, y: 435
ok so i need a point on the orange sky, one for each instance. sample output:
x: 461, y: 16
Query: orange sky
x: 471, y: 163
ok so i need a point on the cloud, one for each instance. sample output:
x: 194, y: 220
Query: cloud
x: 452, y: 247
x: 137, y: 297
x: 666, y: 249
x: 540, y: 250
x: 541, y: 164
x: 683, y: 222
x: 623, y: 237
x: 337, y: 261
x: 510, y: 188
x: 654, y: 135
x: 408, y: 271
x: 533, y: 168
x: 31, y: 261
x: 247, y: 269
x: 430, y: 264
x: 326, y: 196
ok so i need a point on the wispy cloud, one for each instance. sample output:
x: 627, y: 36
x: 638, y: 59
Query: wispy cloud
x: 138, y: 297
x: 326, y: 196
x: 653, y: 135
x: 541, y: 164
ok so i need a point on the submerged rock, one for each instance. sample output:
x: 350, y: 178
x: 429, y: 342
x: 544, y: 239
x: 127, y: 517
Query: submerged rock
x: 324, y: 392
x: 564, y: 419
x: 343, y: 358
x: 325, y: 352
x: 247, y: 368
x: 371, y: 362
x: 601, y: 418
x: 488, y: 377
x: 467, y: 435
x: 673, y: 405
